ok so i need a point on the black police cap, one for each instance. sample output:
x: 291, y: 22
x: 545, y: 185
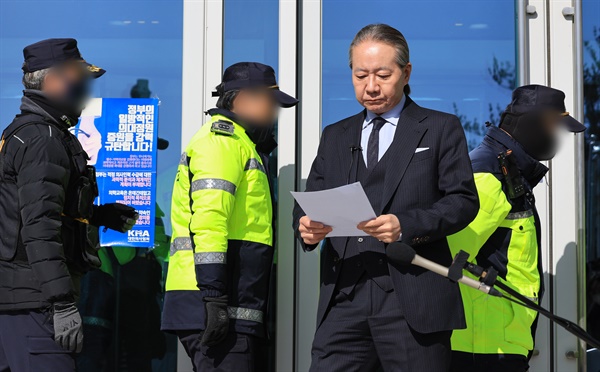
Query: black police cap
x: 532, y: 98
x: 52, y: 52
x: 248, y: 75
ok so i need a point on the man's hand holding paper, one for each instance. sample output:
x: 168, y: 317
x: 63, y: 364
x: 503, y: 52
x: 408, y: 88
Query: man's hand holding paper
x: 313, y: 232
x: 385, y: 228
x: 338, y: 212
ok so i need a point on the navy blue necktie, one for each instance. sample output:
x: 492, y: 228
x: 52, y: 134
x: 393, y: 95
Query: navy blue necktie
x: 373, y: 144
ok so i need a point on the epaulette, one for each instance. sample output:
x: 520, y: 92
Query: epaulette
x: 223, y: 127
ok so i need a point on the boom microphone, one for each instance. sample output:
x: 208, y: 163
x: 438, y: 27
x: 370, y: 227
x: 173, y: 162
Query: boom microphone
x: 519, y: 299
x: 403, y: 254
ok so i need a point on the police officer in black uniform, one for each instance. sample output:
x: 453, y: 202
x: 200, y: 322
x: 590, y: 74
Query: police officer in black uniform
x: 48, y: 223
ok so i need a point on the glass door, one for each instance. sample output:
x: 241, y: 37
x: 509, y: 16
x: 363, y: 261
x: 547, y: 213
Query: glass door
x: 591, y: 103
x: 463, y: 55
x: 251, y: 34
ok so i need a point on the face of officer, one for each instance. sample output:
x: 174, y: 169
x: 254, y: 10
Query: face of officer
x: 377, y: 78
x: 69, y: 85
x: 537, y: 132
x: 551, y: 123
x: 258, y: 106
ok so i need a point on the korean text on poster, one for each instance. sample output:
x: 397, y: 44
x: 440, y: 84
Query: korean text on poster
x: 125, y: 162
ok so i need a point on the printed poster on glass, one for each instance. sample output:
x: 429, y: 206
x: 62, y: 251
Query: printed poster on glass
x: 120, y: 138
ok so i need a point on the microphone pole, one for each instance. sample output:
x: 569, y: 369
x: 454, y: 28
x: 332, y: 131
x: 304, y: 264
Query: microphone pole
x: 567, y: 325
x: 403, y: 254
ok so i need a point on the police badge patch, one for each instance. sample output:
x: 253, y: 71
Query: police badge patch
x: 223, y: 127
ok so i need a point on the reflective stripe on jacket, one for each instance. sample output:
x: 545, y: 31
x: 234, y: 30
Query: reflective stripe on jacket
x: 221, y: 216
x: 503, y: 235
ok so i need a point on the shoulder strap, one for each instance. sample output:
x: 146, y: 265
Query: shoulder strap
x: 20, y: 122
x: 9, y: 132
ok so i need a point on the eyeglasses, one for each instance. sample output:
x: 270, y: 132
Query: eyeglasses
x: 77, y: 131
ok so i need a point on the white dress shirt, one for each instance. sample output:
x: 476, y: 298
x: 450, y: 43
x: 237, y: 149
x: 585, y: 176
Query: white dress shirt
x: 387, y: 132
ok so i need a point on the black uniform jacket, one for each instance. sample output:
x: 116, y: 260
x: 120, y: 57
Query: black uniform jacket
x: 37, y: 171
x: 428, y: 185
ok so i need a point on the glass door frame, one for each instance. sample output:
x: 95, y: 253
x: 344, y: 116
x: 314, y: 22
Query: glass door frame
x: 549, y: 45
x: 549, y: 53
x: 202, y: 67
x: 554, y: 58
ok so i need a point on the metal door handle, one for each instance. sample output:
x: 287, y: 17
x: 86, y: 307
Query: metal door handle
x: 571, y: 354
x: 568, y: 11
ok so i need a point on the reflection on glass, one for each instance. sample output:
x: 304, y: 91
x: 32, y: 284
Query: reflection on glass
x: 251, y: 34
x: 132, y: 40
x: 591, y: 89
x: 462, y: 52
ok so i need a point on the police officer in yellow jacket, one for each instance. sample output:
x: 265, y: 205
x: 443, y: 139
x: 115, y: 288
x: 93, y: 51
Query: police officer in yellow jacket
x: 505, y: 234
x: 222, y: 217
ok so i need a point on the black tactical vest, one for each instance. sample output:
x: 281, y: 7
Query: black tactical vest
x: 80, y: 240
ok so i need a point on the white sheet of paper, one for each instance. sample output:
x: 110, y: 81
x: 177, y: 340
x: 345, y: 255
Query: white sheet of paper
x: 341, y: 208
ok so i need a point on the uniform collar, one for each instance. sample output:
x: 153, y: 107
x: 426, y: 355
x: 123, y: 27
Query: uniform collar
x: 530, y: 168
x: 36, y: 102
x: 262, y: 137
x: 391, y: 116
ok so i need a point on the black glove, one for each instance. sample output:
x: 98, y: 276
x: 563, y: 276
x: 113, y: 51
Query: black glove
x: 115, y: 216
x: 217, y: 320
x: 68, y: 330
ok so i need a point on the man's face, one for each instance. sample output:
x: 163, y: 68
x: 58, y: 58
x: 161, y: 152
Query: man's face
x: 538, y: 132
x: 551, y: 121
x: 552, y: 124
x: 378, y: 80
x: 60, y: 78
x: 257, y: 106
x: 68, y: 83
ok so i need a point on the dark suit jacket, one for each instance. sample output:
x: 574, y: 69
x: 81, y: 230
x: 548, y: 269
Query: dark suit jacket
x: 432, y: 193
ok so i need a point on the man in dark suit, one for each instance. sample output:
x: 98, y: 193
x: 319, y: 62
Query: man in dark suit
x: 415, y: 169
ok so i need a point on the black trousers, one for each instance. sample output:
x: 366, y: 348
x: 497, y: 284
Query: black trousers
x: 467, y: 362
x: 366, y: 331
x: 27, y: 344
x: 236, y: 353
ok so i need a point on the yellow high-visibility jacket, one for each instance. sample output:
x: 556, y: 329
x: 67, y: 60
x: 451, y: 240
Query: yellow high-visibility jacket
x: 505, y: 236
x: 222, y: 219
